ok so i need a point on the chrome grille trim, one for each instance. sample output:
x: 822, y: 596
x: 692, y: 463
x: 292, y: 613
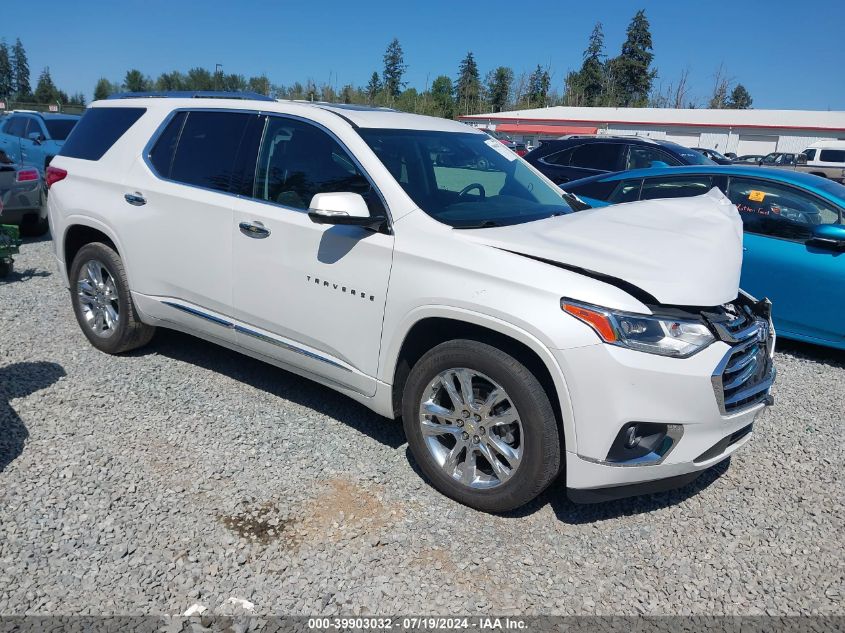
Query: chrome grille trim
x: 743, y: 377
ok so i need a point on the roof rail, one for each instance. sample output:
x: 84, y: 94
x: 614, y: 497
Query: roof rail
x: 192, y: 94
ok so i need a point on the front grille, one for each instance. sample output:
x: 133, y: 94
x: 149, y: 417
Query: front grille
x: 746, y: 373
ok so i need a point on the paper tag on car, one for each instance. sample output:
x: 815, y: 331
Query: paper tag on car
x: 756, y: 196
x: 499, y: 147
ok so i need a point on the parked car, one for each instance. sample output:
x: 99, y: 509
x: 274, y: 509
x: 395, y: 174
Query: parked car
x: 794, y: 236
x: 21, y: 197
x: 826, y: 159
x: 730, y: 155
x: 801, y: 163
x: 32, y: 139
x: 749, y: 159
x: 713, y: 155
x: 573, y: 157
x: 516, y: 339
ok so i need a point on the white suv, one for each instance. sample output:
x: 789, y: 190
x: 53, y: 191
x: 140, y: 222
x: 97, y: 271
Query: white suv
x: 421, y: 268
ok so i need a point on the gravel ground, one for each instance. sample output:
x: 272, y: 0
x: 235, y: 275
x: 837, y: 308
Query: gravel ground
x: 186, y: 474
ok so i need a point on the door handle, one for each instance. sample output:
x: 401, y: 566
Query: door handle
x: 254, y: 229
x: 135, y: 199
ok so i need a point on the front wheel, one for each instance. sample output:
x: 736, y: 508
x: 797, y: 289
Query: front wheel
x: 102, y: 303
x: 480, y: 426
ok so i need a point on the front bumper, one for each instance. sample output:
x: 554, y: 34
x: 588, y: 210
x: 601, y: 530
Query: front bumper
x: 611, y: 387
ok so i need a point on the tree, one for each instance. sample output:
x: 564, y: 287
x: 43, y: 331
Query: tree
x: 468, y: 86
x: 199, y: 79
x: 499, y: 83
x: 7, y: 77
x: 45, y: 90
x: 631, y: 74
x: 592, y: 76
x: 373, y: 88
x: 740, y: 99
x: 442, y: 99
x: 135, y: 81
x: 104, y: 89
x: 721, y: 85
x: 538, y: 87
x: 394, y: 68
x: 20, y: 70
x: 171, y: 81
x: 259, y: 84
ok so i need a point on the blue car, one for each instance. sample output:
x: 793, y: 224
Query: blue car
x: 794, y: 235
x: 32, y: 139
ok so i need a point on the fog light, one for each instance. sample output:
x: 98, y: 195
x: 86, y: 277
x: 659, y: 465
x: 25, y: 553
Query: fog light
x: 643, y: 442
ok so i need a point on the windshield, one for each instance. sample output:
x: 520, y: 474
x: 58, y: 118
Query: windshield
x: 465, y: 180
x: 59, y: 128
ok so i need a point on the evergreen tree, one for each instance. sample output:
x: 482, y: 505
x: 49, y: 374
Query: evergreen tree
x: 591, y: 78
x: 171, y: 81
x: 631, y: 74
x: 394, y: 68
x: 499, y: 83
x: 347, y: 94
x: 7, y: 77
x: 20, y: 70
x: 199, y: 79
x: 538, y: 87
x: 740, y: 99
x: 468, y: 86
x: 373, y: 88
x: 104, y: 88
x: 46, y: 91
x: 135, y: 81
x: 443, y: 103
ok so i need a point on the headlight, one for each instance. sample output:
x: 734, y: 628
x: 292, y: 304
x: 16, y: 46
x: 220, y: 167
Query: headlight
x: 641, y: 332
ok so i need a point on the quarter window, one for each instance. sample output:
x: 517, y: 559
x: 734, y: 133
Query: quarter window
x: 298, y: 160
x: 16, y: 126
x: 561, y: 158
x: 779, y: 211
x: 832, y: 156
x: 98, y: 130
x: 676, y: 187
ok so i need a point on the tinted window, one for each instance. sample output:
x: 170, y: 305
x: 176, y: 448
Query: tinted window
x: 16, y: 126
x: 98, y: 130
x: 688, y: 156
x: 560, y: 158
x: 640, y: 156
x: 161, y: 155
x: 778, y: 210
x: 811, y: 154
x: 675, y: 187
x: 58, y: 129
x: 299, y: 160
x: 596, y: 189
x: 627, y: 191
x: 207, y: 148
x: 604, y: 156
x: 832, y: 155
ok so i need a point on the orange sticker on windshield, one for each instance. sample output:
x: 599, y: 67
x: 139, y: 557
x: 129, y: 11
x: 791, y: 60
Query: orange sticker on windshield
x: 756, y: 196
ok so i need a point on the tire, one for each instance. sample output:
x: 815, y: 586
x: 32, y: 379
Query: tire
x: 533, y: 438
x: 7, y: 267
x: 120, y: 334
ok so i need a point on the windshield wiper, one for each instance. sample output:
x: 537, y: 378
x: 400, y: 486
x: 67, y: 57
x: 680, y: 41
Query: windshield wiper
x: 575, y: 202
x: 487, y: 224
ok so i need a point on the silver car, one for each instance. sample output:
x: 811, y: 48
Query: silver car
x: 22, y: 197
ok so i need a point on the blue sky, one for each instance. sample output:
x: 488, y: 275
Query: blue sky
x: 789, y: 55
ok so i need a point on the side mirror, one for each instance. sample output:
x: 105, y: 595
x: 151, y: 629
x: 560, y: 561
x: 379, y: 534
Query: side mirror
x: 829, y: 235
x: 343, y: 208
x: 35, y: 137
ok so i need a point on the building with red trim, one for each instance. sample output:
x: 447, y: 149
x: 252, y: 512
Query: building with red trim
x: 738, y: 131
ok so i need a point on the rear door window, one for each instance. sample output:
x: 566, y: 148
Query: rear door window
x: 675, y: 187
x: 561, y: 158
x: 98, y: 130
x: 59, y: 128
x: 810, y: 153
x: 627, y: 191
x: 603, y: 156
x: 207, y: 148
x: 16, y: 126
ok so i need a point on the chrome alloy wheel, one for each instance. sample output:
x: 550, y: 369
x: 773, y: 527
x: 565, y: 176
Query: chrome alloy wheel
x: 471, y: 428
x: 98, y: 299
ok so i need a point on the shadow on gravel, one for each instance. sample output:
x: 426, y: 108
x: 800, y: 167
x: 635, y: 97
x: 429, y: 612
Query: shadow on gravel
x: 23, y: 275
x: 17, y: 381
x: 816, y: 353
x: 275, y: 381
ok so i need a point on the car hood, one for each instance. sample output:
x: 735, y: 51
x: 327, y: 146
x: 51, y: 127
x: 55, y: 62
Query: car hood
x: 681, y: 251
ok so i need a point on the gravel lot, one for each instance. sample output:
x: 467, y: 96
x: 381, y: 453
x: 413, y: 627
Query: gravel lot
x: 186, y: 473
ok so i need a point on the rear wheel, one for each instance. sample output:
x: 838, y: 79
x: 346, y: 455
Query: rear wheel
x: 480, y: 426
x: 102, y: 302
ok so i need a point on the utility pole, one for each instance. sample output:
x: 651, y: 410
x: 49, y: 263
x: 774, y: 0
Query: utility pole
x: 218, y: 74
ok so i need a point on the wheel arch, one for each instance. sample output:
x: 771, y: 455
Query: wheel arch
x: 79, y: 233
x: 431, y: 327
